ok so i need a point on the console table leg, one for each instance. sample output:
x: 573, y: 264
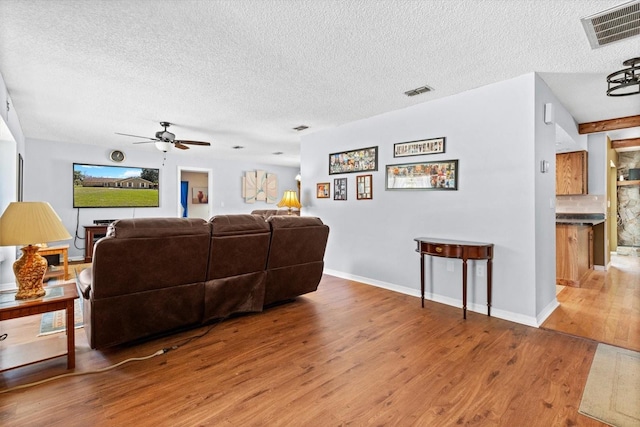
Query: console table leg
x: 464, y: 288
x: 422, y: 279
x: 489, y: 283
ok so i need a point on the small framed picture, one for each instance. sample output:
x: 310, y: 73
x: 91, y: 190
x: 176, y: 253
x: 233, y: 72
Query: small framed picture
x: 200, y: 195
x: 340, y: 189
x: 419, y: 148
x: 323, y: 190
x: 364, y: 187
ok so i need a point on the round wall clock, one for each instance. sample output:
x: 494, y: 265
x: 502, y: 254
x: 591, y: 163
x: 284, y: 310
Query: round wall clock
x: 116, y: 156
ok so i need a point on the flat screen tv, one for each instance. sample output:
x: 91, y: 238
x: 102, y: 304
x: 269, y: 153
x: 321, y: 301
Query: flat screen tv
x: 97, y: 186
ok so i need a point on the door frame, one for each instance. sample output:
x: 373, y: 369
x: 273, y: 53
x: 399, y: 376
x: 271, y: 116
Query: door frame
x: 209, y: 173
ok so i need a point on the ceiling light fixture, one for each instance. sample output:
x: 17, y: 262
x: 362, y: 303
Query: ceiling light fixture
x: 301, y: 127
x: 237, y: 147
x: 627, y: 81
x: 418, y: 90
x: 278, y: 153
x: 163, y: 146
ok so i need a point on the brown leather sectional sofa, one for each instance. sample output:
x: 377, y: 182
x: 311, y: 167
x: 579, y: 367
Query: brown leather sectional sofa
x: 155, y: 275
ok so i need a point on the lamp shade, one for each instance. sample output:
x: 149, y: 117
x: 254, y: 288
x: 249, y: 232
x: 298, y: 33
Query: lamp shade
x: 26, y: 223
x: 289, y: 200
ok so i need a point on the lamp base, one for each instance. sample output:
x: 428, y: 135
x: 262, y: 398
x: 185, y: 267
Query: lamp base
x: 29, y: 270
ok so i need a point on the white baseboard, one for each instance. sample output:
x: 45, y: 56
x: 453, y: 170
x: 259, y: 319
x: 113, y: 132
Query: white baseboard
x: 546, y: 312
x: 477, y: 308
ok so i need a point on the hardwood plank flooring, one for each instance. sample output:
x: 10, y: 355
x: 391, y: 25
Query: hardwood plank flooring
x: 606, y: 308
x: 348, y: 354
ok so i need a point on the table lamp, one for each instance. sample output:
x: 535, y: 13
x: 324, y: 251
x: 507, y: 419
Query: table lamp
x: 290, y: 200
x: 29, y: 223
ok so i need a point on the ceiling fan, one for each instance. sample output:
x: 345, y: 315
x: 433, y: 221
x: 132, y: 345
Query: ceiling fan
x: 164, y: 139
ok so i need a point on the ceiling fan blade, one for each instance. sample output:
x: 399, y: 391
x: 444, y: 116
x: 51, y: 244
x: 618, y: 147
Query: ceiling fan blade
x: 193, y: 142
x: 144, y: 142
x: 137, y: 136
x: 180, y: 146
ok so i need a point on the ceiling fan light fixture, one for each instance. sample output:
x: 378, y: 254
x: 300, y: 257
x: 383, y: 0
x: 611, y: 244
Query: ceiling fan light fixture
x: 165, y: 136
x: 163, y: 146
x: 625, y: 82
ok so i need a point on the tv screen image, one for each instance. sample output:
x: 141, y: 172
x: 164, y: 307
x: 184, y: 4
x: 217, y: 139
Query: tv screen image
x: 98, y: 186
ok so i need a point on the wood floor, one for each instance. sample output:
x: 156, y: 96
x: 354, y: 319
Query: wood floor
x: 348, y: 354
x: 606, y: 308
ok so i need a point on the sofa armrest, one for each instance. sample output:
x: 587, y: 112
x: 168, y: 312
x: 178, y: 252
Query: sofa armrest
x: 84, y: 282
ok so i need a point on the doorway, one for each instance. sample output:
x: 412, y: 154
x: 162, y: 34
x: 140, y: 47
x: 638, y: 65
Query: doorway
x: 194, y: 192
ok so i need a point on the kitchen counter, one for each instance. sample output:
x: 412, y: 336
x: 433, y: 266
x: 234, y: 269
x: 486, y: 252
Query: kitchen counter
x: 578, y: 221
x: 580, y: 218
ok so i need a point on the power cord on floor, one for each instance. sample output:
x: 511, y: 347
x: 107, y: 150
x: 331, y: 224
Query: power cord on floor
x: 108, y: 368
x: 76, y: 374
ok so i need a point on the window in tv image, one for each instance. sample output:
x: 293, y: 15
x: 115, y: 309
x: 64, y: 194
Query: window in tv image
x: 96, y: 186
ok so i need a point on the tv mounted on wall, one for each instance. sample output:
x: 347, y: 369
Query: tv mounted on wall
x: 97, y: 186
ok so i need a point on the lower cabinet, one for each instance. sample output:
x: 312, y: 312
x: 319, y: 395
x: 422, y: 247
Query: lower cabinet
x: 574, y: 253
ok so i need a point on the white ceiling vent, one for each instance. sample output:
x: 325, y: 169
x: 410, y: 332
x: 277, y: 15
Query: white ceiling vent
x: 418, y: 90
x: 612, y: 25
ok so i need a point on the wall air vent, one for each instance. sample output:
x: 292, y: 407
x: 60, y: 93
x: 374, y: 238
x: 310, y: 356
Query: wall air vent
x: 418, y: 91
x: 612, y: 25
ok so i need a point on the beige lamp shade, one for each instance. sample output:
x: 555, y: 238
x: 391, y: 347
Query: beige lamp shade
x: 289, y: 200
x: 27, y: 223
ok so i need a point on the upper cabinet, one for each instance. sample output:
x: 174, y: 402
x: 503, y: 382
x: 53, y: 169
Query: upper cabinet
x: 571, y: 173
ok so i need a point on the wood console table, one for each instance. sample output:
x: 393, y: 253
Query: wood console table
x: 461, y: 250
x: 91, y: 234
x: 57, y: 298
x: 57, y: 250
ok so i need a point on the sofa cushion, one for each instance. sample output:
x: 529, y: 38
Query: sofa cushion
x: 296, y: 257
x: 157, y: 227
x: 239, y: 245
x: 140, y: 255
x: 296, y: 240
x: 237, y: 224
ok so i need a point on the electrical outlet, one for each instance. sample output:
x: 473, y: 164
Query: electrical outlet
x: 480, y: 270
x: 450, y: 266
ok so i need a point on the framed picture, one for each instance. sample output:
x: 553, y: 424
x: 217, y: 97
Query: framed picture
x: 419, y: 148
x: 441, y: 175
x: 340, y: 189
x: 200, y: 195
x: 364, y: 187
x: 361, y: 160
x: 323, y: 190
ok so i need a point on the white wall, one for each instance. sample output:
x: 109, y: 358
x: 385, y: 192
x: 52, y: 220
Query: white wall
x: 598, y: 167
x: 491, y: 131
x: 11, y: 144
x: 49, y: 177
x: 545, y: 194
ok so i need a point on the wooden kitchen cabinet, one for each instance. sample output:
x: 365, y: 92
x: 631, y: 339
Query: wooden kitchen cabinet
x: 571, y: 173
x: 574, y: 253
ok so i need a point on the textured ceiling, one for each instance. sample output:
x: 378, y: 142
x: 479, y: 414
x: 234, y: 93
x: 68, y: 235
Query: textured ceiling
x: 245, y: 72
